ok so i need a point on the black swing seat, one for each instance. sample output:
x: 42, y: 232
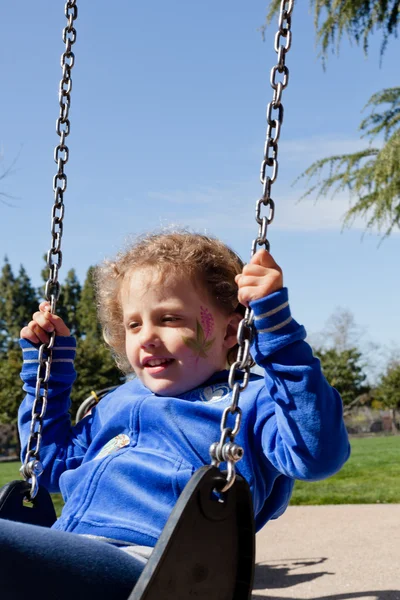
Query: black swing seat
x: 13, y: 507
x: 207, y: 547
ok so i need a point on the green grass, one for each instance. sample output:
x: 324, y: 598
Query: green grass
x: 371, y: 475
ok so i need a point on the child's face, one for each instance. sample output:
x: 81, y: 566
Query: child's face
x: 175, y: 338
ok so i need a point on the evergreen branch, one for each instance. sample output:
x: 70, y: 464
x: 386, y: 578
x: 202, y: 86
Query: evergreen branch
x: 387, y: 121
x: 358, y: 19
x: 343, y: 179
x: 372, y: 177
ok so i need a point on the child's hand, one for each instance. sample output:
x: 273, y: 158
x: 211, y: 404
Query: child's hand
x: 43, y: 323
x: 259, y: 278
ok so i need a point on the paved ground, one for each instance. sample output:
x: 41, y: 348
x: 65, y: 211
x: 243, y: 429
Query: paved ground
x: 347, y: 552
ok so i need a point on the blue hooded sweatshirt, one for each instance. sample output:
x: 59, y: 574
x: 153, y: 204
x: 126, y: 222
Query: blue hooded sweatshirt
x: 122, y: 468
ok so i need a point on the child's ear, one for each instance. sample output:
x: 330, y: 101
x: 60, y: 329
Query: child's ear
x: 231, y: 330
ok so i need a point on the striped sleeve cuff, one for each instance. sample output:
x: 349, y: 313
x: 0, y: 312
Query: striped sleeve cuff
x: 274, y: 324
x: 62, y: 359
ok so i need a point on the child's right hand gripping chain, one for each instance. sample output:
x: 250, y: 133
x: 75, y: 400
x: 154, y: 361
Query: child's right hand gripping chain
x: 43, y: 323
x: 259, y: 278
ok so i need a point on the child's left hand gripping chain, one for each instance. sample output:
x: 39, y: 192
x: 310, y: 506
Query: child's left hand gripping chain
x: 43, y: 324
x: 259, y: 278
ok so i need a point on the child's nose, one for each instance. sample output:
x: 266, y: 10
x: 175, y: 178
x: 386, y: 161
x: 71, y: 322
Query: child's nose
x: 149, y: 336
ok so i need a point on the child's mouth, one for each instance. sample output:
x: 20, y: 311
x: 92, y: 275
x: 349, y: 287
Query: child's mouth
x: 157, y: 365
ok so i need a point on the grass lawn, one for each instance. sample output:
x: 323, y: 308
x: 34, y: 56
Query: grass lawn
x: 371, y: 475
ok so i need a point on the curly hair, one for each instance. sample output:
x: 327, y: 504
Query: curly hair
x: 208, y: 263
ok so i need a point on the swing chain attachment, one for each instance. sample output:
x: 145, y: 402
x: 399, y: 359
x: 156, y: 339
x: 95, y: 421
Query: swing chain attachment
x: 226, y: 450
x: 32, y: 467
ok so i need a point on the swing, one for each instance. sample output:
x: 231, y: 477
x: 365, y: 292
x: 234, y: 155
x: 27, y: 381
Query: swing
x: 207, y: 547
x: 91, y: 401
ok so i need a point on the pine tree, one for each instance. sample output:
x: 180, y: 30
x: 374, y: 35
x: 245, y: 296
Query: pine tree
x: 7, y: 281
x: 68, y: 302
x: 18, y: 301
x: 344, y: 371
x: 94, y: 364
x: 89, y: 326
x: 25, y: 303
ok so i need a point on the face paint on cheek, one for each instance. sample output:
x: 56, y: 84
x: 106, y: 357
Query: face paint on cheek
x: 207, y: 321
x: 202, y: 344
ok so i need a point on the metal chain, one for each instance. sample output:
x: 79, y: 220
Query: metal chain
x: 226, y: 450
x: 32, y: 467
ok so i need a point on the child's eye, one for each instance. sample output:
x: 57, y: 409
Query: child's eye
x: 169, y: 319
x: 133, y: 325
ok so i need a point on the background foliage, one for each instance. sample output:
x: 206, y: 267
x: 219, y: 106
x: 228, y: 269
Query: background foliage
x: 371, y: 176
x: 344, y: 362
x: 18, y: 301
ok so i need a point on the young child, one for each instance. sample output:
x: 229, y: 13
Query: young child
x: 170, y: 308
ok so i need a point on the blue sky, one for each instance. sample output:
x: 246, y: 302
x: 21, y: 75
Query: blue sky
x: 168, y: 126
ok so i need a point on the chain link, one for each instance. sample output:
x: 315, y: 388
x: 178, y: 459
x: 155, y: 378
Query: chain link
x: 32, y: 467
x: 226, y: 450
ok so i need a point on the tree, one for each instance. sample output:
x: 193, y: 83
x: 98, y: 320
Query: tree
x: 67, y: 305
x: 94, y: 364
x: 86, y: 311
x: 68, y: 301
x: 344, y: 371
x: 24, y: 303
x: 7, y: 280
x: 11, y: 393
x: 357, y: 18
x: 388, y: 390
x: 341, y: 330
x: 18, y: 301
x: 342, y: 361
x: 372, y: 176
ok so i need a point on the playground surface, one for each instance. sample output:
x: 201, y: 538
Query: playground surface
x: 343, y: 552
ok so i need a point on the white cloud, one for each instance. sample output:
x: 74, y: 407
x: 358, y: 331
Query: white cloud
x: 309, y: 215
x: 316, y: 147
x: 231, y: 204
x: 233, y: 208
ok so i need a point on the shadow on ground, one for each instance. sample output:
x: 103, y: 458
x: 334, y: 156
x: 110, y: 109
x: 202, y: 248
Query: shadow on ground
x: 282, y: 574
